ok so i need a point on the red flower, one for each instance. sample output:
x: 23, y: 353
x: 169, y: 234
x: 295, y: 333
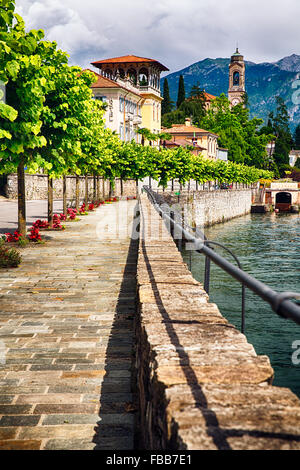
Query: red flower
x: 39, y: 224
x: 13, y: 237
x: 34, y: 234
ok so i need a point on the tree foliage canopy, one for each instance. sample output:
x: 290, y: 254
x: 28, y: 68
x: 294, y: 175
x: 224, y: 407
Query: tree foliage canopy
x: 279, y: 122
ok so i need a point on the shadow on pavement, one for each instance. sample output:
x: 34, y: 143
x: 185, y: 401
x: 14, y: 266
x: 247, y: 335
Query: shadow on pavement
x: 115, y: 430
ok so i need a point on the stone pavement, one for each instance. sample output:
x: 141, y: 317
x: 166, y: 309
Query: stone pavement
x: 34, y: 210
x: 66, y: 338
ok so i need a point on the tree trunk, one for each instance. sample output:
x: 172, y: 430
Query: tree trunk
x: 65, y: 195
x: 137, y: 187
x: 21, y: 199
x: 50, y: 202
x: 77, y: 193
x: 111, y: 188
x: 122, y: 187
x: 86, y: 197
x: 103, y: 188
x: 98, y: 189
x: 95, y: 189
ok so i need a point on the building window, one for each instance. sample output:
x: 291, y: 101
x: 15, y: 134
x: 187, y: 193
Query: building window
x: 101, y: 98
x: 121, y: 73
x: 143, y: 77
x: 121, y: 132
x: 236, y: 78
x: 132, y: 75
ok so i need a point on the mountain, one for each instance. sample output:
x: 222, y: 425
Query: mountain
x: 264, y: 82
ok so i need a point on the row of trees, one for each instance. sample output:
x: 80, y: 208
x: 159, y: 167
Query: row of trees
x: 51, y: 122
x: 136, y: 162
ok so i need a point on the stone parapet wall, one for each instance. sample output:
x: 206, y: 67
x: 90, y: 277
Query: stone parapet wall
x: 37, y: 187
x: 200, y: 384
x: 206, y: 208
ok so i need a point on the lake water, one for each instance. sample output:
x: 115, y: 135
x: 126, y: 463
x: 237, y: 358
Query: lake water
x: 268, y: 247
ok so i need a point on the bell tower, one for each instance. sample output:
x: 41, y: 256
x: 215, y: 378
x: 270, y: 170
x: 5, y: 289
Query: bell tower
x: 236, y: 90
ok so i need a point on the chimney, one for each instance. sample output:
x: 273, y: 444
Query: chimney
x: 187, y: 122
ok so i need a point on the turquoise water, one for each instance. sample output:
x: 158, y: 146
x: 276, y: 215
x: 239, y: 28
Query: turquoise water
x: 268, y: 247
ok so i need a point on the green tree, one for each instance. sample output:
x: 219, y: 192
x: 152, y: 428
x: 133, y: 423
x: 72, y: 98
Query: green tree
x: 26, y: 71
x: 283, y: 145
x: 196, y: 91
x: 181, y: 92
x: 72, y: 125
x: 167, y: 104
x: 174, y: 117
x: 297, y: 138
x: 237, y: 132
x: 193, y: 108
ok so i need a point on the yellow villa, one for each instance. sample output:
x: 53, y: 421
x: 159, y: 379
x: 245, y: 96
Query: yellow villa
x: 203, y: 142
x: 131, y: 87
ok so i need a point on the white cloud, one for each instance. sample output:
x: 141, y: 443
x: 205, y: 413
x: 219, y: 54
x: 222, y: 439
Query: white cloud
x: 176, y: 32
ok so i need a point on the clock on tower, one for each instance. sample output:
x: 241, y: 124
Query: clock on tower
x: 235, y: 101
x: 236, y: 90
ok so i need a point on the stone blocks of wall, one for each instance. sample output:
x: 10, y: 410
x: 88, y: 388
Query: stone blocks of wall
x: 206, y: 208
x: 220, y: 206
x: 37, y: 187
x: 201, y: 385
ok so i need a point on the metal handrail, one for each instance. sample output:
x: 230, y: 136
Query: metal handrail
x: 279, y: 301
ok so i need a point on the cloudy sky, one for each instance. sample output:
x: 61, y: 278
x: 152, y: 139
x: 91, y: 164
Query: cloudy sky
x: 175, y: 32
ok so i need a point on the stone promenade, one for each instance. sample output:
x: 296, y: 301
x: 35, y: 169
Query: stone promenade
x: 66, y: 338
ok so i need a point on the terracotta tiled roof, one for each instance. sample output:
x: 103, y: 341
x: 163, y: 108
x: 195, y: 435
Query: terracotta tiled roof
x: 129, y: 59
x: 208, y: 96
x: 182, y: 143
x: 103, y: 82
x: 183, y: 129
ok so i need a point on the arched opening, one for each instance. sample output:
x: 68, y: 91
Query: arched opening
x: 121, y: 73
x: 236, y: 78
x: 132, y: 75
x: 143, y: 77
x: 108, y: 73
x: 283, y: 201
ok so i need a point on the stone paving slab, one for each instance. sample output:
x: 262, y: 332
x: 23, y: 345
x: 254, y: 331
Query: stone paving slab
x: 66, y: 325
